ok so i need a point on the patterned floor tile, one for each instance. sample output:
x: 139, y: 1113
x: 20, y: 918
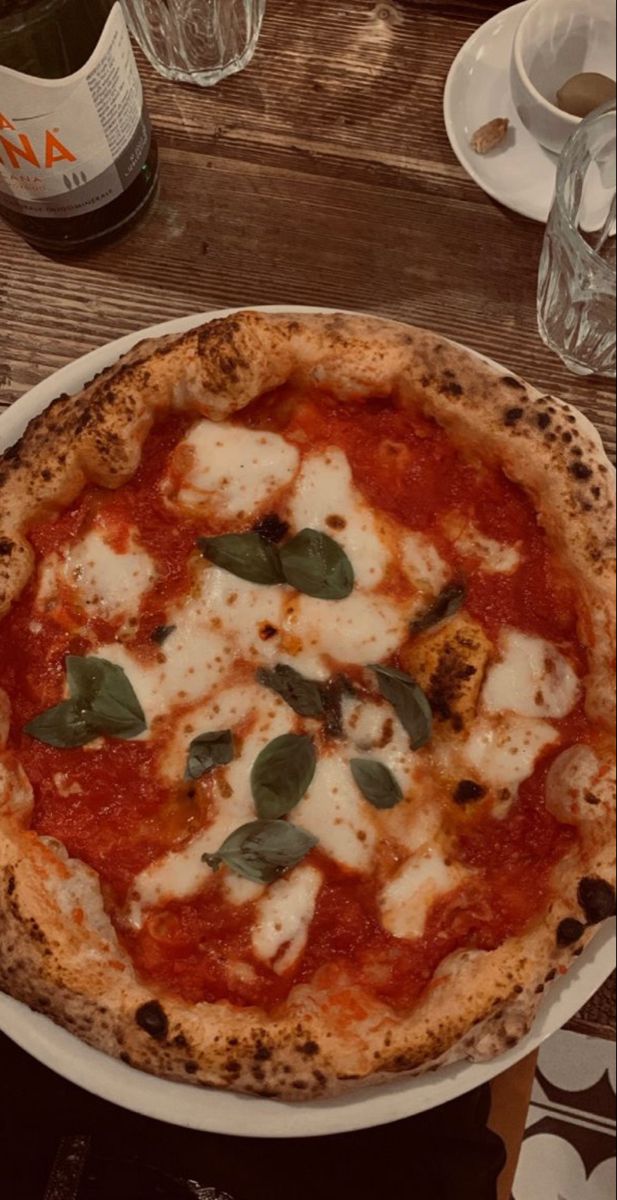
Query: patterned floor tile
x: 569, y: 1147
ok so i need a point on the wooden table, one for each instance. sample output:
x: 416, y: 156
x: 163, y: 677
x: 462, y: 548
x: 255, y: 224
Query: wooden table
x: 322, y: 175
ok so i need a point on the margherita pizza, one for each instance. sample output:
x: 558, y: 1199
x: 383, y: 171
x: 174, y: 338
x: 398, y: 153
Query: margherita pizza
x: 306, y: 651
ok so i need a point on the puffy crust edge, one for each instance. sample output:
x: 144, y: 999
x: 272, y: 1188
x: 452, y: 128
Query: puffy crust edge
x: 60, y: 963
x: 60, y: 955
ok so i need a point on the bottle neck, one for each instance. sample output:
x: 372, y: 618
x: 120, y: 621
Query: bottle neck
x: 50, y: 38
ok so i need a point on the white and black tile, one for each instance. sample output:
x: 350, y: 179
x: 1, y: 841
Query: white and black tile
x: 569, y: 1147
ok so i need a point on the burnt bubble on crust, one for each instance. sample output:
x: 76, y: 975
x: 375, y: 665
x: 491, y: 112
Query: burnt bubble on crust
x: 467, y: 791
x: 569, y: 931
x: 272, y: 528
x: 597, y: 899
x: 152, y: 1018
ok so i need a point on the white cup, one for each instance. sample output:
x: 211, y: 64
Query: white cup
x: 555, y: 40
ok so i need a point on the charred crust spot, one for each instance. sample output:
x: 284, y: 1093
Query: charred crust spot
x: 152, y: 1018
x: 233, y: 1067
x: 272, y: 528
x: 567, y: 437
x: 11, y: 885
x: 267, y: 631
x: 191, y: 1067
x: 551, y: 976
x: 580, y: 471
x: 262, y: 1053
x: 511, y: 382
x: 467, y: 791
x: 447, y: 682
x: 540, y: 989
x: 309, y: 1049
x: 543, y: 420
x: 451, y: 387
x: 181, y: 1042
x: 6, y: 547
x: 512, y: 416
x: 569, y: 931
x: 320, y: 1078
x: 125, y: 1058
x: 519, y: 989
x: 597, y: 899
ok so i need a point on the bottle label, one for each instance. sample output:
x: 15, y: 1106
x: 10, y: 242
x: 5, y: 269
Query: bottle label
x: 69, y: 146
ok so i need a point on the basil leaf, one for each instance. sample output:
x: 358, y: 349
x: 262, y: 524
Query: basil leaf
x: 448, y: 602
x: 409, y: 701
x: 263, y: 850
x: 160, y: 635
x: 66, y: 727
x: 102, y: 702
x: 376, y: 782
x: 303, y: 695
x: 281, y: 775
x: 84, y: 677
x: 247, y: 555
x: 108, y: 695
x: 208, y: 751
x: 316, y: 565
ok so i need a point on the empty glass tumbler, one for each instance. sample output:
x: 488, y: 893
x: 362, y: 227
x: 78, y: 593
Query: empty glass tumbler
x: 196, y: 41
x: 576, y: 293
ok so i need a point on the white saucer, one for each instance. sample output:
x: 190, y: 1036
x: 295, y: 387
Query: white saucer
x: 519, y: 173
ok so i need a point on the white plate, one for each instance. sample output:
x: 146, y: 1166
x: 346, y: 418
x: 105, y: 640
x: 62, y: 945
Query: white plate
x: 223, y: 1112
x: 519, y: 173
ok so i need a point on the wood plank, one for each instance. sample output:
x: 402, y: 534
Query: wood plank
x: 351, y: 89
x: 230, y: 233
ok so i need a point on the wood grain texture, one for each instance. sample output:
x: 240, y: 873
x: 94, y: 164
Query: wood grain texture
x: 321, y: 175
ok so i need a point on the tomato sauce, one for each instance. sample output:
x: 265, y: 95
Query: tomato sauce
x: 106, y: 804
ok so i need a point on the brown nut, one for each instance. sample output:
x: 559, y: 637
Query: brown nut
x: 488, y: 136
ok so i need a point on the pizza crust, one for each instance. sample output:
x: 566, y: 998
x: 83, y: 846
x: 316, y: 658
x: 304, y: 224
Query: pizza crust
x: 58, y: 951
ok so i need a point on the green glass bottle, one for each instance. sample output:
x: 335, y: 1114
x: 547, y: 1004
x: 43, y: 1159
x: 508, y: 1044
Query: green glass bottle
x: 78, y: 162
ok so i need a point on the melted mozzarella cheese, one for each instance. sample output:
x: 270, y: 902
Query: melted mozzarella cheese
x: 111, y: 581
x: 215, y: 628
x: 579, y: 788
x: 533, y: 679
x: 230, y: 709
x: 423, y: 564
x: 493, y: 557
x: 241, y: 611
x: 361, y: 629
x: 407, y: 898
x: 374, y: 731
x: 503, y: 752
x: 333, y: 811
x: 193, y: 662
x: 284, y: 916
x: 325, y: 498
x: 180, y: 873
x: 233, y: 471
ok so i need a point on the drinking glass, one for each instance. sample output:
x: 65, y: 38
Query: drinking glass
x: 196, y: 41
x: 576, y: 292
